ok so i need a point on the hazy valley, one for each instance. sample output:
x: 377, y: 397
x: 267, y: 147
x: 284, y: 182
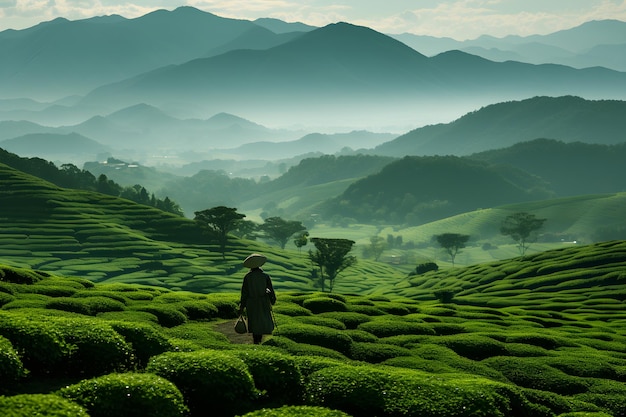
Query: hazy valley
x: 114, y: 133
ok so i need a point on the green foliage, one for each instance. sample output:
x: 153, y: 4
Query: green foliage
x: 127, y: 395
x: 209, y: 380
x: 366, y: 390
x: 201, y: 334
x: 291, y: 309
x: 274, y: 373
x: 373, y: 352
x: 145, y: 340
x: 20, y: 275
x: 390, y: 327
x: 472, y: 346
x: 167, y: 315
x: 323, y: 304
x: 41, y: 405
x: 302, y: 349
x: 316, y: 335
x: 532, y: 373
x: 296, y: 410
x: 89, y: 306
x: 350, y: 319
x: 11, y: 367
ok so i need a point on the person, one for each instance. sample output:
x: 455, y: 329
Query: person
x: 257, y: 298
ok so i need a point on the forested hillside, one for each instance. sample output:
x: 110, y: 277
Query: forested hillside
x: 416, y: 190
x: 500, y: 125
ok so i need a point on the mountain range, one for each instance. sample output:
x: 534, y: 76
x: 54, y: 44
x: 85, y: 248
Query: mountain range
x: 279, y: 74
x: 594, y: 43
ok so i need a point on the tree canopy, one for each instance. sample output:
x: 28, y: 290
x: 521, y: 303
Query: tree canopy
x: 219, y: 221
x: 452, y: 243
x: 522, y: 227
x: 331, y: 256
x: 280, y: 230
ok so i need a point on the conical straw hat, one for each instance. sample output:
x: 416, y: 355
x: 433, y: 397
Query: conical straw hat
x: 254, y: 261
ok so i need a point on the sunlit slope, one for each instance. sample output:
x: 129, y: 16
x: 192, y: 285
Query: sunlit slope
x: 589, y: 279
x: 577, y: 218
x: 103, y: 238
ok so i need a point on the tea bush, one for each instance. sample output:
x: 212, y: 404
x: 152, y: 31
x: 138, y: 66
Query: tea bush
x: 40, y: 405
x: 361, y: 336
x: 316, y: 335
x: 209, y: 380
x: 472, y: 346
x: 11, y: 367
x: 275, y: 373
x: 40, y: 346
x: 89, y: 306
x: 324, y: 304
x: 350, y: 319
x: 322, y: 321
x: 5, y: 298
x: 309, y: 364
x: 302, y: 349
x: 199, y: 310
x: 291, y: 309
x: 167, y: 315
x: 145, y: 340
x: 201, y: 334
x: 367, y: 391
x: 127, y: 395
x: 390, y: 327
x: 531, y: 373
x: 297, y: 410
x: 376, y: 352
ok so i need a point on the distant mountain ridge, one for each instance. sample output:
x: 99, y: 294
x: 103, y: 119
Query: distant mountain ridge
x: 504, y: 124
x: 594, y: 43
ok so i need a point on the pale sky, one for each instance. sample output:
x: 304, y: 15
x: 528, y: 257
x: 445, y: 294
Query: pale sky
x: 458, y: 19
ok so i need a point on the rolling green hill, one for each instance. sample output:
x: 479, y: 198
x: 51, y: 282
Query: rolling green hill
x: 417, y: 190
x: 536, y: 336
x: 109, y: 239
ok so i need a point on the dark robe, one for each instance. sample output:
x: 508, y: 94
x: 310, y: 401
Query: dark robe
x: 257, y: 296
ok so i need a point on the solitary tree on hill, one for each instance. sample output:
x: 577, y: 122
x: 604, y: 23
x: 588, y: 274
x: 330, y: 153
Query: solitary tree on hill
x: 331, y: 256
x: 301, y: 240
x: 376, y: 248
x: 522, y: 227
x: 280, y: 230
x: 219, y: 221
x: 452, y: 243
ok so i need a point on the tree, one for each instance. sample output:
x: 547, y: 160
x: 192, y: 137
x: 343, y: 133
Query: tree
x: 301, y: 240
x: 219, y: 221
x: 331, y: 256
x: 376, y: 247
x: 452, y: 243
x: 522, y: 227
x: 280, y: 230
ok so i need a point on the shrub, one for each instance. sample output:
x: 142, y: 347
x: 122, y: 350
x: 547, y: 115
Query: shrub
x: 397, y: 309
x: 302, y: 349
x: 376, y: 352
x: 530, y: 373
x: 426, y: 267
x: 97, y: 293
x: 367, y: 391
x: 96, y: 347
x: 389, y: 327
x: 324, y: 304
x: 309, y: 364
x: 613, y: 404
x: 590, y: 365
x: 350, y: 319
x: 167, y: 315
x: 366, y: 310
x: 322, y: 321
x: 275, y: 373
x: 11, y: 367
x: 361, y: 336
x: 296, y: 410
x: 129, y: 316
x: 199, y: 310
x: 291, y: 309
x: 39, y: 345
x: 199, y: 333
x: 316, y: 335
x: 472, y: 346
x: 5, y: 298
x: 41, y: 405
x: 543, y: 341
x: 209, y: 380
x: 87, y: 306
x: 145, y: 340
x: 20, y: 276
x: 444, y: 296
x: 127, y: 395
